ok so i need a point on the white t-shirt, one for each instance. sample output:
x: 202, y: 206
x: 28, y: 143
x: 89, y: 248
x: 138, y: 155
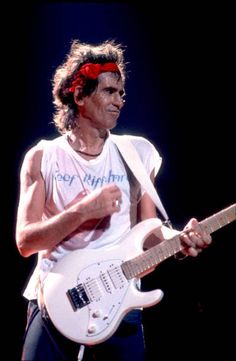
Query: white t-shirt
x: 69, y: 177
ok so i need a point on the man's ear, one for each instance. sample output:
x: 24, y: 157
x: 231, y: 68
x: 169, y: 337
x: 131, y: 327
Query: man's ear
x: 78, y: 96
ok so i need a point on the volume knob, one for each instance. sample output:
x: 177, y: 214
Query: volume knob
x: 96, y: 314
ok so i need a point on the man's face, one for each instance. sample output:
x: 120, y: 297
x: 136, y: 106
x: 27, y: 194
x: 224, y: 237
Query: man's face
x: 102, y: 107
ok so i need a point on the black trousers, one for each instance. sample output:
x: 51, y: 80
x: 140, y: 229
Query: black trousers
x: 42, y: 342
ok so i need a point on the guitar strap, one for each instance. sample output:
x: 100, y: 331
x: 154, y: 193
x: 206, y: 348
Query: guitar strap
x: 131, y: 156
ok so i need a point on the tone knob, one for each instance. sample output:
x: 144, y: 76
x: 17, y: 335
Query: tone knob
x: 92, y: 329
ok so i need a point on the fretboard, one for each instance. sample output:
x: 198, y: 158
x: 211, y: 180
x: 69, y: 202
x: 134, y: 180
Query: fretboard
x: 155, y: 255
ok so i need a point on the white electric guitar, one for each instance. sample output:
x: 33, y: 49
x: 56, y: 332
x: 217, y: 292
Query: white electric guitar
x: 88, y: 292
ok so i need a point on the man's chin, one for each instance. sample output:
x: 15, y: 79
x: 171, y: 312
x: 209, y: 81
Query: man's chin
x: 113, y: 124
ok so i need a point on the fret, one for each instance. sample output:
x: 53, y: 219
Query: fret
x: 219, y: 220
x: 160, y: 252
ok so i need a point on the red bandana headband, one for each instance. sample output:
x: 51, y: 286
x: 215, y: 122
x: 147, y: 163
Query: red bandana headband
x: 91, y: 71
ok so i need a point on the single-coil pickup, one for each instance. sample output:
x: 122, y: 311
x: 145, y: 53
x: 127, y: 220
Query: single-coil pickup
x: 93, y: 289
x: 117, y: 277
x: 106, y: 281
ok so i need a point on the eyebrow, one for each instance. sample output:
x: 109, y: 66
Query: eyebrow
x: 113, y: 89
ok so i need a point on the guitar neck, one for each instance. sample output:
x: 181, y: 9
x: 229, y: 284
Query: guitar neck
x: 137, y: 266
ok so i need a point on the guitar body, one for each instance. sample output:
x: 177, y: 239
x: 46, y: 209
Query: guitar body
x: 87, y: 294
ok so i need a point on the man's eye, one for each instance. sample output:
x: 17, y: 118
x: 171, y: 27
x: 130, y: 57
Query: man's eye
x: 109, y: 90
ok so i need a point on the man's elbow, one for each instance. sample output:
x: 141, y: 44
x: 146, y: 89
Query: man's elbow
x: 23, y: 245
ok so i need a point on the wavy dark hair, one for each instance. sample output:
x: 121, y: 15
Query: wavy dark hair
x: 80, y: 53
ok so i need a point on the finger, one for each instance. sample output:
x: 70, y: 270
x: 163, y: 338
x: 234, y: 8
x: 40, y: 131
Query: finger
x: 186, y: 240
x: 207, y: 239
x: 193, y: 251
x: 116, y: 194
x: 201, y: 240
x: 116, y: 203
x: 114, y: 189
x: 197, y: 239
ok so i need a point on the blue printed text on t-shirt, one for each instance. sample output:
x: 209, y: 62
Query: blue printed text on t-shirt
x: 94, y: 181
x: 91, y: 180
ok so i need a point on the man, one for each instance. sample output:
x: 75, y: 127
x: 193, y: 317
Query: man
x: 77, y: 192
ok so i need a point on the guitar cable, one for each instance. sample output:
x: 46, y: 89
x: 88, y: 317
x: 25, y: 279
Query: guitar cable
x: 81, y: 352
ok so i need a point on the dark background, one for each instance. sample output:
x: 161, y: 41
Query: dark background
x: 180, y: 95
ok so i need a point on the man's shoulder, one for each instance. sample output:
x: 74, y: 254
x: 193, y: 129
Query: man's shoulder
x: 135, y: 139
x: 39, y: 147
x: 49, y: 142
x: 142, y: 144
